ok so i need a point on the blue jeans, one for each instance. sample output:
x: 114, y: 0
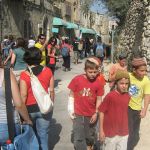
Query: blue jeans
x: 41, y: 128
x: 4, y: 134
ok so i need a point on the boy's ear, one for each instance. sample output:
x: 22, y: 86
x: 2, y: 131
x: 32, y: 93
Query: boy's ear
x: 134, y: 70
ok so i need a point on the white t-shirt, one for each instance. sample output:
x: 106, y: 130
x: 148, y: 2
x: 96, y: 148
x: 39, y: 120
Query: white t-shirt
x: 31, y: 43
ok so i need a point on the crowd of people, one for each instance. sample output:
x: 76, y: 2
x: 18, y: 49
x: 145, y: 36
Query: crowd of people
x: 12, y: 50
x: 113, y: 119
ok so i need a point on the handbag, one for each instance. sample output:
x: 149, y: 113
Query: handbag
x: 27, y: 140
x: 42, y: 97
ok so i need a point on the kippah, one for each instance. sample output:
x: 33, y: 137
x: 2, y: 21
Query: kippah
x: 139, y: 62
x: 94, y: 60
x: 120, y: 74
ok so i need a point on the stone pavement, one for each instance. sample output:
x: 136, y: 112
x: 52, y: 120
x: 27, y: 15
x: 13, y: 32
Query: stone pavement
x: 60, y: 130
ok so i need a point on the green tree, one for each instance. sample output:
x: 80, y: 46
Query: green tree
x: 85, y: 6
x: 118, y: 9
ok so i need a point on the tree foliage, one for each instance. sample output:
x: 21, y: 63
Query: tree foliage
x: 117, y: 8
x: 85, y: 6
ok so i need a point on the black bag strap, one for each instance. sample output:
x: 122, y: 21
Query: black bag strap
x: 9, y: 105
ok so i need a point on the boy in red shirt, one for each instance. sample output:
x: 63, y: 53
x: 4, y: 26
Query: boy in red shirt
x: 84, y: 99
x: 114, y: 114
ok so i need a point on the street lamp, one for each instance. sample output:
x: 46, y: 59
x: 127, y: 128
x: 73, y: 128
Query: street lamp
x: 112, y: 42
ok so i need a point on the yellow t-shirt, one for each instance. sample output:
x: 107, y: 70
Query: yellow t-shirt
x: 137, y: 90
x: 43, y: 63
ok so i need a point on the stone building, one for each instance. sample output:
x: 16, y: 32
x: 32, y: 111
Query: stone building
x: 26, y: 17
x: 70, y: 15
x: 32, y: 17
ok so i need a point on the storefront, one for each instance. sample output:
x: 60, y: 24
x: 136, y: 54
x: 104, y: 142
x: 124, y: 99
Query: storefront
x: 58, y: 26
x: 86, y: 32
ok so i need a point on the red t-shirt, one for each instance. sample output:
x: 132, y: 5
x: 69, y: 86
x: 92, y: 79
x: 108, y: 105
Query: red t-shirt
x: 52, y: 55
x: 115, y: 109
x: 85, y: 95
x: 44, y: 78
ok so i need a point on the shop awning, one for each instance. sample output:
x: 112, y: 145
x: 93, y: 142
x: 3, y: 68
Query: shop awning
x: 55, y: 30
x: 59, y: 22
x: 86, y: 30
x: 72, y: 25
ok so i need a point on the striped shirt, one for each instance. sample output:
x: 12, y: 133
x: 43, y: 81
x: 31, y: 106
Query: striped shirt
x: 3, y: 114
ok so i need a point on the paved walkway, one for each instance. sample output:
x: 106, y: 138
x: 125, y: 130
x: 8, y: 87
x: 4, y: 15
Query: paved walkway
x: 60, y: 131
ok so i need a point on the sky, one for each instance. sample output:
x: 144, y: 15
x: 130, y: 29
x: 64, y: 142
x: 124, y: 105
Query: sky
x: 99, y: 7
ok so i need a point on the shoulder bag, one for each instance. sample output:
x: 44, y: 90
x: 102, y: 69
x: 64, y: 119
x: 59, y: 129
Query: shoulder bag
x: 42, y: 97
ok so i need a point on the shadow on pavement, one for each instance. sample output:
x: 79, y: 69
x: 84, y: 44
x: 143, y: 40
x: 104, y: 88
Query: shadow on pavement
x: 55, y: 129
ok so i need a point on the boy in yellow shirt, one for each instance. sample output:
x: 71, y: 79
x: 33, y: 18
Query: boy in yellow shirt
x: 139, y: 92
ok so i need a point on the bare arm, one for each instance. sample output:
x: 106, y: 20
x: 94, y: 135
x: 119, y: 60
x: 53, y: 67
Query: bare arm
x: 23, y: 91
x: 20, y: 106
x: 146, y: 103
x: 8, y: 57
x: 13, y: 58
x: 95, y: 115
x: 101, y: 129
x: 52, y: 92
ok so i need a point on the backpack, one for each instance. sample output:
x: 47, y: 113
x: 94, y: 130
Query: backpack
x: 65, y: 51
x: 42, y: 97
x: 99, y: 50
x: 6, y: 49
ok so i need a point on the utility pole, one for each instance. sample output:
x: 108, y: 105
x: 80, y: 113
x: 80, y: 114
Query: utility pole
x: 112, y: 43
x: 1, y: 21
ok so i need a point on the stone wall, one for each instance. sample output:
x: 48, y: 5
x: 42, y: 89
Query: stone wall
x: 146, y: 30
x: 135, y: 37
